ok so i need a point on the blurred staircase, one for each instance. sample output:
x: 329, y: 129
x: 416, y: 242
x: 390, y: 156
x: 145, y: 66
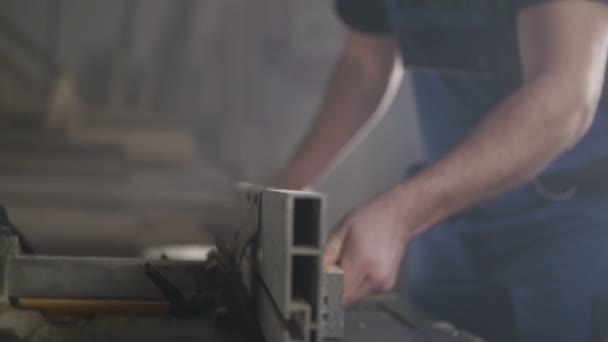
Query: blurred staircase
x: 87, y: 180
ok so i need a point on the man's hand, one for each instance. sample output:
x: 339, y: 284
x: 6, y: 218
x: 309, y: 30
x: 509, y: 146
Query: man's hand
x: 369, y: 245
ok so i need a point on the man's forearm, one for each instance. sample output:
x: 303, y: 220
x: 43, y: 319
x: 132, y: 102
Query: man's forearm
x: 523, y: 134
x: 352, y: 98
x: 563, y: 50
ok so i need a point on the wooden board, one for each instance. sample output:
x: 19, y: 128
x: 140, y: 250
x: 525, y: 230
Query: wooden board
x: 160, y: 145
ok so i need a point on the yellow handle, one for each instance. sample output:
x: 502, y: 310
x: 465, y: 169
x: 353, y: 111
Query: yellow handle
x: 94, y: 307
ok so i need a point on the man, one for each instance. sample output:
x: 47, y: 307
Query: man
x: 506, y: 227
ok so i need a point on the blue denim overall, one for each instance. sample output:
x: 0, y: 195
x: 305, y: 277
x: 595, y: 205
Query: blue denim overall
x: 525, y: 266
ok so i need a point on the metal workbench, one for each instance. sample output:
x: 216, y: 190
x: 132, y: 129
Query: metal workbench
x: 296, y: 299
x: 378, y: 325
x: 370, y: 322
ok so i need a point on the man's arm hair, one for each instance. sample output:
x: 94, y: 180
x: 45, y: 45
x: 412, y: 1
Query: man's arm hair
x: 357, y: 86
x: 563, y: 48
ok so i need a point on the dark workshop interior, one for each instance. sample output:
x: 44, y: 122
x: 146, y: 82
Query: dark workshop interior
x: 164, y: 100
x: 303, y: 170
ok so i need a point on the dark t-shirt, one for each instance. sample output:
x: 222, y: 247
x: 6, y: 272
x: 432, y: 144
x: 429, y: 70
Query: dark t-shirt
x: 364, y: 15
x: 370, y: 16
x: 476, y: 36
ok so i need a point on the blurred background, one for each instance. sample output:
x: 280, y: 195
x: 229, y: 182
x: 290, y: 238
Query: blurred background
x: 125, y: 123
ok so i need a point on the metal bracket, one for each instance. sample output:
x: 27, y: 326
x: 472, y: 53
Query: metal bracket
x: 300, y: 291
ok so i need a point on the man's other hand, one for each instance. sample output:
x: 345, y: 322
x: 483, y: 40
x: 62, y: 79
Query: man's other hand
x: 369, y: 245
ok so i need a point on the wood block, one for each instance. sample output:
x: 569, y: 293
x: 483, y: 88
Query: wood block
x: 100, y: 117
x: 63, y: 104
x: 62, y: 167
x: 163, y: 146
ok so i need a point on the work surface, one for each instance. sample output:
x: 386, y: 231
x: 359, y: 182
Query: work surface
x: 380, y: 326
x: 368, y: 323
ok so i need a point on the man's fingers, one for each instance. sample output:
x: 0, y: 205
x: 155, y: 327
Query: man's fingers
x: 341, y: 250
x: 364, y: 288
x: 352, y: 279
x: 332, y: 252
x: 333, y: 249
x: 357, y: 282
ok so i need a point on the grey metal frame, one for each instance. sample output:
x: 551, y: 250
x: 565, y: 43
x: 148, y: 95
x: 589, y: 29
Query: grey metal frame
x: 301, y: 291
